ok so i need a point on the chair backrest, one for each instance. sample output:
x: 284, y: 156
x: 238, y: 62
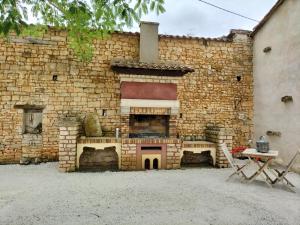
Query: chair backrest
x: 228, y: 155
x: 289, y: 166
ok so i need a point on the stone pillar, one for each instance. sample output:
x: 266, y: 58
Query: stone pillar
x: 172, y: 126
x: 128, y: 155
x: 173, y: 155
x: 219, y: 135
x: 68, y: 134
x: 125, y: 126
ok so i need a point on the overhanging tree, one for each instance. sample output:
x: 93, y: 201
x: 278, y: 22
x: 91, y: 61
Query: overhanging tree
x: 84, y: 20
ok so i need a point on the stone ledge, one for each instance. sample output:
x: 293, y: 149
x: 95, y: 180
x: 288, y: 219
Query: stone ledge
x: 198, y: 144
x: 151, y: 141
x: 90, y: 140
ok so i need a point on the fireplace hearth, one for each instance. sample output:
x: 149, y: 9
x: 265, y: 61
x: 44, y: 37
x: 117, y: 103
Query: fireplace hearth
x: 149, y: 126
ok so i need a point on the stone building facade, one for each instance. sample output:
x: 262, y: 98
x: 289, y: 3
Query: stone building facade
x: 42, y: 76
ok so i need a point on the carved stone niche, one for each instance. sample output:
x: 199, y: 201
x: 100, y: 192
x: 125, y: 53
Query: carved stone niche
x: 32, y: 118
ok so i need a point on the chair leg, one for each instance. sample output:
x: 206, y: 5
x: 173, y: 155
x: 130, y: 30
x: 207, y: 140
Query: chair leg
x: 280, y: 177
x: 231, y: 175
x: 291, y: 189
x: 268, y: 177
x: 286, y: 180
x: 239, y: 171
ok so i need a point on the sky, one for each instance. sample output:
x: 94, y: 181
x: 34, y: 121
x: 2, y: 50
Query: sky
x: 194, y: 18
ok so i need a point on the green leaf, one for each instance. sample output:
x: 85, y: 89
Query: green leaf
x: 85, y: 20
x: 152, y: 5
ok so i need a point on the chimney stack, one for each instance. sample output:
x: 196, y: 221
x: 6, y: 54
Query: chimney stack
x: 149, y: 42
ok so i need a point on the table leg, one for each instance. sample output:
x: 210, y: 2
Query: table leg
x: 262, y: 169
x: 265, y: 171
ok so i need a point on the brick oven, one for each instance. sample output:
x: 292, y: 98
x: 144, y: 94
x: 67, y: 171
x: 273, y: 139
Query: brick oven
x: 150, y: 114
x: 149, y: 111
x: 149, y: 107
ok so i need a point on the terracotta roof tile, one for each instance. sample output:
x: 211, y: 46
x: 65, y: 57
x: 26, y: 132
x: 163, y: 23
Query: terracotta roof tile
x: 132, y: 65
x: 144, y: 65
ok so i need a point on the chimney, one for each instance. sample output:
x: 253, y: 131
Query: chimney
x: 149, y: 42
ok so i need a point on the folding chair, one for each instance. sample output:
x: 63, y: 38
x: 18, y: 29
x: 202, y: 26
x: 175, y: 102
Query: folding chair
x: 281, y: 175
x: 238, y: 168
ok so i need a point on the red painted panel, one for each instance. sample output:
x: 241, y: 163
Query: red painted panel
x: 143, y: 90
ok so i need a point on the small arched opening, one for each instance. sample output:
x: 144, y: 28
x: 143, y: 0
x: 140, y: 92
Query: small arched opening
x: 147, y: 164
x: 155, y: 164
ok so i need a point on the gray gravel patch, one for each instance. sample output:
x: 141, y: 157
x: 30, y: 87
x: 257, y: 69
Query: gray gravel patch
x: 35, y: 195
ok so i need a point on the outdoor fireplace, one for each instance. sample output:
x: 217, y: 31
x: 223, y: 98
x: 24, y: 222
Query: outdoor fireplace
x: 149, y: 126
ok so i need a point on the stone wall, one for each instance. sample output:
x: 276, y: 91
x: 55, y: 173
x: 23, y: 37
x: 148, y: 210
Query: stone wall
x: 173, y: 155
x: 49, y: 75
x: 68, y: 134
x: 128, y: 156
x: 220, y: 135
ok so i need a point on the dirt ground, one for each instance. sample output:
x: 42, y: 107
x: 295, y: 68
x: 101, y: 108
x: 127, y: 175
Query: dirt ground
x: 36, y: 195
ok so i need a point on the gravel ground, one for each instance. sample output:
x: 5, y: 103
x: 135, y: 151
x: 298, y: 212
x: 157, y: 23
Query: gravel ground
x: 32, y: 195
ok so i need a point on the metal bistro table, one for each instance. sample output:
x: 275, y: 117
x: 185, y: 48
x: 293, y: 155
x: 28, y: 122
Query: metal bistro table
x: 254, y: 156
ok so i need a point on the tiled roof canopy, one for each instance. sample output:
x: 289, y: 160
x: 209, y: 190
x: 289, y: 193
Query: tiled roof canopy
x: 142, y: 68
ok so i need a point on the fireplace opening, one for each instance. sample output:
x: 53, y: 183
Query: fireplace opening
x: 147, y: 164
x: 155, y: 164
x: 93, y: 159
x: 191, y: 159
x: 149, y: 126
x: 151, y: 148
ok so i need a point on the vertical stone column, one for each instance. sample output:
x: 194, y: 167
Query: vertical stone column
x: 173, y: 154
x: 172, y: 126
x: 68, y: 134
x: 219, y: 135
x: 128, y: 155
x: 125, y: 125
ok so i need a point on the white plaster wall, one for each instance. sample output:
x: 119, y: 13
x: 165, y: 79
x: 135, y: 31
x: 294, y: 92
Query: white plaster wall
x: 277, y: 74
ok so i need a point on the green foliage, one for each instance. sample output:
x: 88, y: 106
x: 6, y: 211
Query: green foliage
x: 84, y: 20
x: 33, y: 30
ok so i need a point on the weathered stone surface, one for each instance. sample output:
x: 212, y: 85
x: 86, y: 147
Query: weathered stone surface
x: 67, y: 146
x: 98, y: 160
x: 219, y: 135
x: 92, y: 125
x: 37, y: 160
x: 196, y: 159
x: 25, y: 161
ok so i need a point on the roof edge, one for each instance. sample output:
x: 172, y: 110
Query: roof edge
x: 266, y: 17
x: 225, y: 38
